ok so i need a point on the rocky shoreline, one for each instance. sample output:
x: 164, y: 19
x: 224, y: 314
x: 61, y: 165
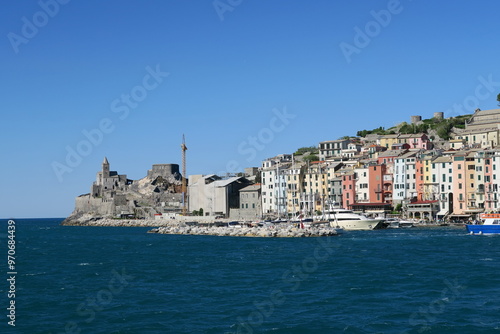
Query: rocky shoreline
x: 175, y: 227
x: 99, y: 221
x: 286, y: 231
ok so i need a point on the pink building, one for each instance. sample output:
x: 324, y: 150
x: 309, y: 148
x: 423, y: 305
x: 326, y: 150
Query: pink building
x: 459, y: 185
x: 348, y: 189
x: 418, y: 140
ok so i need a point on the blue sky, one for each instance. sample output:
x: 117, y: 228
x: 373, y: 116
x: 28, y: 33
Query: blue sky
x: 243, y: 80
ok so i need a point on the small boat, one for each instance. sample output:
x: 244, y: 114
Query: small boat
x: 398, y: 223
x: 405, y: 224
x: 489, y: 224
x: 392, y: 223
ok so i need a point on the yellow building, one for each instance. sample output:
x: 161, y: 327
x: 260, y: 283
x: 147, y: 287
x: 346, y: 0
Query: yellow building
x: 388, y: 140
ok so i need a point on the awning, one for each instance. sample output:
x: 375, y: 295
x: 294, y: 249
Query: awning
x: 459, y: 216
x: 472, y: 211
x: 443, y: 212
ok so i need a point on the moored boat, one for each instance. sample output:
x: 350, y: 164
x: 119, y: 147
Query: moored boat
x: 348, y: 220
x: 489, y: 224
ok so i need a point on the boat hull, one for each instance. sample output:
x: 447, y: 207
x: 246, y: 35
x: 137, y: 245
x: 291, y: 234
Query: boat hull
x: 483, y: 229
x: 351, y: 225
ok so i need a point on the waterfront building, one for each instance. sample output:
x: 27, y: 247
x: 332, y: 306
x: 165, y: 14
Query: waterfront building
x: 477, y: 199
x: 294, y: 181
x: 314, y: 193
x: 348, y: 188
x: 404, y: 178
x: 214, y: 195
x: 362, y: 185
x: 459, y: 185
x: 273, y: 183
x: 491, y: 165
x: 422, y: 209
x: 250, y: 204
x: 335, y: 191
x: 442, y: 173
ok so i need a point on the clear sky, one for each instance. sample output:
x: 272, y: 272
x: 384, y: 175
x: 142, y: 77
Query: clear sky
x: 243, y: 80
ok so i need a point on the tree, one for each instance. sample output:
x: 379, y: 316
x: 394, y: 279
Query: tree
x: 498, y: 99
x: 258, y: 178
x: 302, y: 150
x: 311, y: 157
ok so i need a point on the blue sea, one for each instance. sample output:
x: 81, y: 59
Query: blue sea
x: 124, y: 280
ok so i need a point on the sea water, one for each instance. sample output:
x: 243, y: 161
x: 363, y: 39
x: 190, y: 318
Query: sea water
x: 123, y: 280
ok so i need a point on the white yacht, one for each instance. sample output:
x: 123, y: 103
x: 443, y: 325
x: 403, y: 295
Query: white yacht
x: 348, y: 220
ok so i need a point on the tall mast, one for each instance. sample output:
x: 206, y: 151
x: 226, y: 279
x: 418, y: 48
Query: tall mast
x: 184, y: 190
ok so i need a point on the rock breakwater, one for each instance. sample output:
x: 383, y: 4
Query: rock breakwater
x: 242, y: 231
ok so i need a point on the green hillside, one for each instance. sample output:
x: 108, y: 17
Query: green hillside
x: 442, y: 127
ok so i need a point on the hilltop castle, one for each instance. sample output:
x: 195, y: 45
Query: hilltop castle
x: 114, y: 195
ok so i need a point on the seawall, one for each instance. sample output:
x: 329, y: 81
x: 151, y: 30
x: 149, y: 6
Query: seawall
x: 275, y: 232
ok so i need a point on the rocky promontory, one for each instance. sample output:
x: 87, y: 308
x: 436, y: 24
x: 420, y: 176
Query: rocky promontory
x: 219, y: 228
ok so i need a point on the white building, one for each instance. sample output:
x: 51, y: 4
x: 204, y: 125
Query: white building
x: 442, y: 184
x: 362, y: 183
x: 404, y: 178
x: 274, y: 185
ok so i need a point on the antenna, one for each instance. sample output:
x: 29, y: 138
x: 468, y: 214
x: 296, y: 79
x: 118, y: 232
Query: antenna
x: 184, y: 190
